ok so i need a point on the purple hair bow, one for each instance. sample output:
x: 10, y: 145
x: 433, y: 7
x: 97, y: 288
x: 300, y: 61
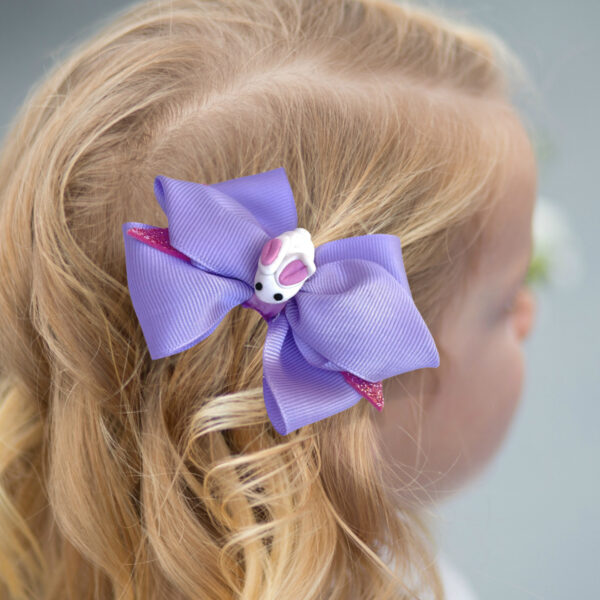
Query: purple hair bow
x: 350, y: 323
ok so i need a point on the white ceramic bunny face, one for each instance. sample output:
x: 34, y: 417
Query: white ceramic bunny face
x: 285, y: 263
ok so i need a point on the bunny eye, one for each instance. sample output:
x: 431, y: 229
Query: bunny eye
x: 278, y: 296
x: 258, y: 285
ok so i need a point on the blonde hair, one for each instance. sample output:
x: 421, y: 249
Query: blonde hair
x: 123, y: 477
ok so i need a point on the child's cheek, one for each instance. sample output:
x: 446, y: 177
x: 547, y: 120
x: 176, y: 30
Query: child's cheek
x: 500, y: 387
x: 476, y: 406
x: 444, y: 439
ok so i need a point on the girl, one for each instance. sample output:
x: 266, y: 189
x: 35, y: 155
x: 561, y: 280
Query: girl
x: 132, y: 478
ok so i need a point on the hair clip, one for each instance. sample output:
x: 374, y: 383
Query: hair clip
x: 340, y: 316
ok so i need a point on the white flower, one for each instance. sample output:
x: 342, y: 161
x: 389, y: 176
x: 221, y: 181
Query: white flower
x: 557, y: 251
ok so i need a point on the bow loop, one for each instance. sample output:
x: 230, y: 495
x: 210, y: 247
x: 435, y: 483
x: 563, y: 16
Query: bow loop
x: 296, y: 392
x: 177, y: 304
x: 351, y: 324
x: 381, y: 248
x: 223, y: 226
x: 358, y: 315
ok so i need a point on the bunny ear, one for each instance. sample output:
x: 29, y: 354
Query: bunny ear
x: 270, y: 251
x: 294, y: 272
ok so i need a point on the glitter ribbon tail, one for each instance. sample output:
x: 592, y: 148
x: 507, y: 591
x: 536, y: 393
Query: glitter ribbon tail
x: 372, y: 391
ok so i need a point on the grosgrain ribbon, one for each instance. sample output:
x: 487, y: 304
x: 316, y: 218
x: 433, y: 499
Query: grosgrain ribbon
x: 352, y: 324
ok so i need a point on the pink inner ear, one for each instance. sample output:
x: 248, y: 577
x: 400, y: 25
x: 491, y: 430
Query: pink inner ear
x: 293, y: 273
x: 270, y: 251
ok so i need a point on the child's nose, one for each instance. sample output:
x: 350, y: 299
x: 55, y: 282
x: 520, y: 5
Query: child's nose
x: 525, y: 310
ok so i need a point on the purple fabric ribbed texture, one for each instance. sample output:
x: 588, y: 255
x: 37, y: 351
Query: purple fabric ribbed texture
x: 355, y: 313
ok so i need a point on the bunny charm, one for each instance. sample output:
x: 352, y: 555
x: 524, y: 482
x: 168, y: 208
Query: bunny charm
x: 285, y: 263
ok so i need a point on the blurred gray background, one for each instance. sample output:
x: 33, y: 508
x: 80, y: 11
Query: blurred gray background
x: 527, y: 528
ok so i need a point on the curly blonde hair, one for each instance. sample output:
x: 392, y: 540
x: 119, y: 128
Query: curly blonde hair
x: 123, y: 477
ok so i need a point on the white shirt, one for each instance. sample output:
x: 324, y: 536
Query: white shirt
x: 455, y: 585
